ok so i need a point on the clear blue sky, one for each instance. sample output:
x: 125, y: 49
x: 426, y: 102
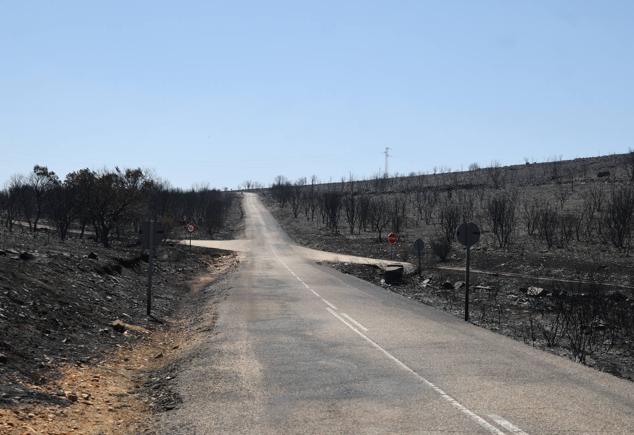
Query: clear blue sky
x: 221, y: 92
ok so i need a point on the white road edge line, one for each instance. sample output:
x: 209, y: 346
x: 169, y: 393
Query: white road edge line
x: 507, y: 424
x: 472, y: 415
x: 359, y: 325
x: 329, y: 304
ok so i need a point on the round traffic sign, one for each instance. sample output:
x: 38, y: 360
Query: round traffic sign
x: 190, y: 228
x: 392, y: 238
x: 468, y: 234
x: 419, y: 245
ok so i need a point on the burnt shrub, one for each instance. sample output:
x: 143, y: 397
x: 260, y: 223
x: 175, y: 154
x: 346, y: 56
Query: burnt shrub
x: 548, y: 224
x: 618, y: 216
x: 531, y: 216
x: 568, y: 226
x: 440, y: 246
x: 379, y: 216
x: 449, y: 216
x: 501, y: 215
x: 331, y: 204
x: 585, y: 319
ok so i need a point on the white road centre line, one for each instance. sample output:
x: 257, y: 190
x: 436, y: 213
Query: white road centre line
x: 302, y: 281
x: 507, y: 424
x: 359, y: 325
x: 472, y: 415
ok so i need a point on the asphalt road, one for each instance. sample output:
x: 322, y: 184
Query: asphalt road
x: 301, y: 348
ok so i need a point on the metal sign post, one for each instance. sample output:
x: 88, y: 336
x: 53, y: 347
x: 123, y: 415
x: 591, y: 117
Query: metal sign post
x: 419, y: 245
x: 190, y: 229
x: 152, y: 234
x: 392, y: 238
x: 466, y: 285
x: 150, y: 268
x: 468, y: 234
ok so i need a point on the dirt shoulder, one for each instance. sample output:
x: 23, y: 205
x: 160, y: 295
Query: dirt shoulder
x: 77, y: 352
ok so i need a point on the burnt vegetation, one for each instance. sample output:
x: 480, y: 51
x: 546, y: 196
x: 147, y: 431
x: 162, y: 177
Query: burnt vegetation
x: 108, y: 204
x: 549, y: 204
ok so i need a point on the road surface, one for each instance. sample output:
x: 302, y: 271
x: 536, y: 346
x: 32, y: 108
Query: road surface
x: 301, y: 348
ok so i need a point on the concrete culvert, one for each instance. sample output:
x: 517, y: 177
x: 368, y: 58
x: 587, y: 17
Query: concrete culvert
x: 393, y: 274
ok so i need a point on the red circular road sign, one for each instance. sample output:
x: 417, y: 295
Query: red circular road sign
x: 392, y: 238
x: 190, y: 228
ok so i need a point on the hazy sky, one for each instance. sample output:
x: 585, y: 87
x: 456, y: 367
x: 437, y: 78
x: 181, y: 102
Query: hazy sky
x: 221, y: 92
